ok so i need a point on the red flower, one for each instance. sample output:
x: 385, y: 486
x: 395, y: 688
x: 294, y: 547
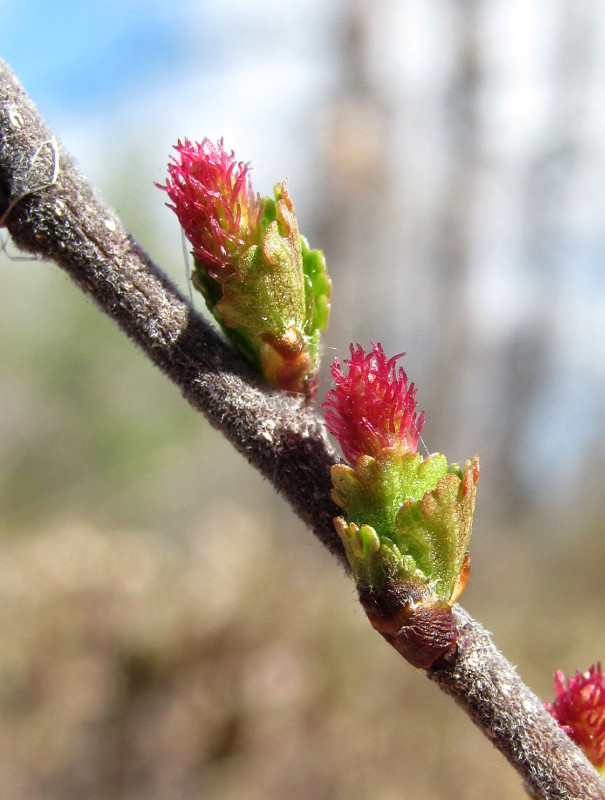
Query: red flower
x: 579, y: 708
x: 372, y: 407
x: 213, y: 199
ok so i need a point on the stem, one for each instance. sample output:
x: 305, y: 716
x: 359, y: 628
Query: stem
x: 52, y: 211
x: 66, y: 222
x: 489, y: 689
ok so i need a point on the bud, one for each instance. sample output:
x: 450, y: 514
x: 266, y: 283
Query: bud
x: 579, y: 708
x: 408, y: 520
x: 267, y: 289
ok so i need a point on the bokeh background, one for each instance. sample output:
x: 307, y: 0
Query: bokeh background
x: 168, y: 628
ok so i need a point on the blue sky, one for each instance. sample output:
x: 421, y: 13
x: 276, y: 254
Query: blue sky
x: 72, y: 56
x: 159, y: 71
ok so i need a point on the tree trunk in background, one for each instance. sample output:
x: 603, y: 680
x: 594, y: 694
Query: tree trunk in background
x: 531, y: 354
x: 452, y: 247
x: 356, y: 148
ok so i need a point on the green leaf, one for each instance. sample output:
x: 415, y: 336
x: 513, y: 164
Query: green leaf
x: 276, y: 301
x: 420, y: 511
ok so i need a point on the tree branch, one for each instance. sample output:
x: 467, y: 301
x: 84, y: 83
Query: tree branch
x: 52, y: 211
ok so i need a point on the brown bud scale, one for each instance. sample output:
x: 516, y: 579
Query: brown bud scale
x: 419, y: 628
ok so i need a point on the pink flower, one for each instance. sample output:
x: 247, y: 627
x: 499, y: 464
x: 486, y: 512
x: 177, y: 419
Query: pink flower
x: 213, y: 199
x: 579, y: 708
x: 372, y: 406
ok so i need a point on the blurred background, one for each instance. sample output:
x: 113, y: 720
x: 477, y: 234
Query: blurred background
x: 169, y: 629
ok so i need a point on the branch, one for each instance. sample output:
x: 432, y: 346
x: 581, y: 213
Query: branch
x: 52, y: 211
x: 67, y: 223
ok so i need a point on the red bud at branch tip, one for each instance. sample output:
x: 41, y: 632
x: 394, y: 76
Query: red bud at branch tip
x: 579, y: 708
